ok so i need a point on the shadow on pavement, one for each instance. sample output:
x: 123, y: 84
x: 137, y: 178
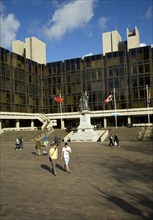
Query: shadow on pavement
x: 45, y: 167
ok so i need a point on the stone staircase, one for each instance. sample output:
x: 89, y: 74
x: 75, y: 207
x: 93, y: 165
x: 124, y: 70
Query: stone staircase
x: 10, y: 136
x: 28, y: 136
x: 148, y: 136
x: 125, y: 134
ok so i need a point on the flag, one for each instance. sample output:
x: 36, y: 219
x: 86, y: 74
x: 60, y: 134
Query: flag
x: 109, y: 98
x: 58, y: 99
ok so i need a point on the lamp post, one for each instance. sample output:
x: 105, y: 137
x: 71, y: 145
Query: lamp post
x: 61, y: 111
x: 115, y: 109
x: 148, y: 102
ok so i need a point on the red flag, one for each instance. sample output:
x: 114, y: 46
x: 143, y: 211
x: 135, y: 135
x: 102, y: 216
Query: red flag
x: 58, y: 99
x: 109, y: 98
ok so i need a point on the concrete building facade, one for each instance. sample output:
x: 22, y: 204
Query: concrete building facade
x: 112, y: 41
x: 28, y: 87
x: 33, y: 49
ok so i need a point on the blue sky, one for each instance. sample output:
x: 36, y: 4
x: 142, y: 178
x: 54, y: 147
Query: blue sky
x: 73, y: 28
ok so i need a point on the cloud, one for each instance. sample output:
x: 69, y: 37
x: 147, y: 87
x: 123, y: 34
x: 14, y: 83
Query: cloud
x: 143, y: 44
x: 149, y: 13
x: 9, y: 27
x: 73, y: 15
x: 102, y: 22
x: 87, y: 55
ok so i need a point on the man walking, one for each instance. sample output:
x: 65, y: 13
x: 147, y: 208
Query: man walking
x: 53, y: 155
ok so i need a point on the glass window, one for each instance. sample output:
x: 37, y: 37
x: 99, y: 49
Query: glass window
x: 142, y: 93
x: 93, y: 74
x: 116, y: 83
x: 146, y: 53
x: 79, y: 77
x: 147, y: 68
x: 77, y: 64
x: 134, y: 82
x: 135, y: 93
x: 67, y: 63
x: 110, y: 73
x: 68, y: 78
x: 134, y: 69
x: 96, y: 86
x: 121, y: 71
x: 140, y: 68
x: 54, y: 80
x: 121, y: 56
x: 99, y: 73
x: 79, y: 88
x: 147, y: 80
x: 59, y: 80
x: 87, y: 75
x: 115, y: 72
x: 88, y: 87
x: 141, y: 81
x: 110, y: 84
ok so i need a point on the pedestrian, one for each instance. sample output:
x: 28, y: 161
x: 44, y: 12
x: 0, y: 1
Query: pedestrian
x: 38, y: 146
x: 55, y: 140
x: 17, y: 143
x: 53, y: 155
x: 66, y: 150
x: 111, y: 140
x: 46, y: 141
x: 21, y: 143
x: 116, y: 140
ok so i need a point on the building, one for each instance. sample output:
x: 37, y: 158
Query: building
x: 28, y: 86
x: 112, y: 41
x: 32, y: 49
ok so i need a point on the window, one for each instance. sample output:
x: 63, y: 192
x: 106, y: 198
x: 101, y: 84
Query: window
x: 134, y: 82
x: 141, y: 81
x: 110, y: 84
x: 134, y: 69
x: 140, y: 68
x: 147, y: 68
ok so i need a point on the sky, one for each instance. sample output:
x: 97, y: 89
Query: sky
x: 73, y: 28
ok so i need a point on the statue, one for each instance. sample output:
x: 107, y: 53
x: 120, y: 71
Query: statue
x: 84, y: 102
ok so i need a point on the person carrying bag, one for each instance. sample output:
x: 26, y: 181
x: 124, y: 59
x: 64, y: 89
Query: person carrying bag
x: 53, y: 155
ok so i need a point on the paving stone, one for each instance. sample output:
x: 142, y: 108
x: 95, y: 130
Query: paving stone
x: 105, y: 183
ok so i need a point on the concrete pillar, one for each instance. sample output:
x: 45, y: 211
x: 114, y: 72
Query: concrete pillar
x: 129, y: 120
x: 17, y: 124
x: 0, y: 126
x: 62, y: 124
x: 32, y: 124
x: 105, y: 123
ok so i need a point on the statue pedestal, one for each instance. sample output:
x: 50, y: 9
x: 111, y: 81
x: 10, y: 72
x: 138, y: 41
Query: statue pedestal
x: 85, y: 122
x: 85, y: 131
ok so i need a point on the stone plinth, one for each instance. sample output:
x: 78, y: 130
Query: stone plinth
x: 85, y: 131
x: 85, y: 122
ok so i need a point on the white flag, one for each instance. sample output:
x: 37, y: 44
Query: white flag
x: 109, y: 98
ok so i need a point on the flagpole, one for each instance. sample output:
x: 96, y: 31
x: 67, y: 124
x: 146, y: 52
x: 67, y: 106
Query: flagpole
x: 115, y: 109
x: 61, y: 111
x: 148, y: 104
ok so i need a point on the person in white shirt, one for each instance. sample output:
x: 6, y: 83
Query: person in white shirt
x: 66, y: 150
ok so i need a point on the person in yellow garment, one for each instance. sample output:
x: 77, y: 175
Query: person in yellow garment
x: 53, y: 155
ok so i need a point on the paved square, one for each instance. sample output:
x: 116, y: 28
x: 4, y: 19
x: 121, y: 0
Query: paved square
x: 105, y: 183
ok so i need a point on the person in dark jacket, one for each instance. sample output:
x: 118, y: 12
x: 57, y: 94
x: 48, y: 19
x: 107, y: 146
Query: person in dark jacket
x: 111, y: 141
x: 116, y: 140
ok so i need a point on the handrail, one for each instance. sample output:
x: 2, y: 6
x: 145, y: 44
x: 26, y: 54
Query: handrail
x: 105, y: 113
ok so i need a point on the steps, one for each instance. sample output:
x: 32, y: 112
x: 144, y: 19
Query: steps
x: 125, y: 134
x: 11, y: 136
